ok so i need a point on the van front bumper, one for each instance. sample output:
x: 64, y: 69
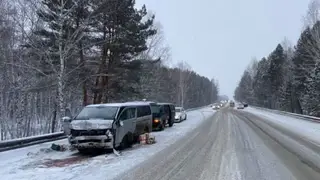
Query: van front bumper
x: 84, y: 142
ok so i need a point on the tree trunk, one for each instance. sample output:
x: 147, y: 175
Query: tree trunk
x: 54, y: 119
x: 62, y: 66
x: 84, y: 84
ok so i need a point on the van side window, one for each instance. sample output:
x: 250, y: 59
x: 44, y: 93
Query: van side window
x: 162, y: 109
x: 128, y: 114
x: 148, y: 110
x: 143, y: 111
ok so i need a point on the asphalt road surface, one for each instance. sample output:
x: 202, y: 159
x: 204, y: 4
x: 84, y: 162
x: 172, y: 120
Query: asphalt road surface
x: 229, y: 146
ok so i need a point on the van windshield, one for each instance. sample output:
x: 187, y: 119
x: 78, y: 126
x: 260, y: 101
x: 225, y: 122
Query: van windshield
x: 97, y: 112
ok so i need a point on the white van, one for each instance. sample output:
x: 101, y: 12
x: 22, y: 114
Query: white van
x: 105, y: 126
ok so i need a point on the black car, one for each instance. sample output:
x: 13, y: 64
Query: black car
x: 162, y: 114
x: 245, y: 104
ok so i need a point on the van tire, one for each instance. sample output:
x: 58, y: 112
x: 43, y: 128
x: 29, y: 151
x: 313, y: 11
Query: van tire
x: 84, y: 151
x: 125, y: 143
x: 161, y: 126
x: 146, y: 130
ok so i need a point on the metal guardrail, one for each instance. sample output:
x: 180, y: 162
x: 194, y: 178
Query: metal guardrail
x: 28, y: 141
x: 33, y: 140
x: 300, y: 116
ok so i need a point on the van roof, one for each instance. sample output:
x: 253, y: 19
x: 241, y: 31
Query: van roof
x: 137, y: 103
x: 163, y: 103
x: 141, y: 102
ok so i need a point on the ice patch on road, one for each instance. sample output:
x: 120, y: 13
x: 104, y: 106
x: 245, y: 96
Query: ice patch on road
x: 17, y: 165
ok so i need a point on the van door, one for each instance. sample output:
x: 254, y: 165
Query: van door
x: 163, y: 115
x: 144, y: 119
x: 126, y: 123
x: 173, y: 111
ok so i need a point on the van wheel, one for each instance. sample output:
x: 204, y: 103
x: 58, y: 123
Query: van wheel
x: 146, y: 130
x: 125, y: 143
x: 84, y: 151
x: 161, y: 127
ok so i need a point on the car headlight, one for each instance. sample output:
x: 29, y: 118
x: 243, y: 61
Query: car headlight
x: 156, y: 120
x: 108, y: 133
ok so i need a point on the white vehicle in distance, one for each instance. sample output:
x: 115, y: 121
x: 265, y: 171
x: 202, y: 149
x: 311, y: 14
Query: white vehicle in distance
x: 181, y: 114
x: 240, y: 106
x: 216, y: 107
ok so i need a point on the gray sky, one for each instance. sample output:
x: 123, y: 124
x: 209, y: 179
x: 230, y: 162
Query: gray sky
x: 218, y: 38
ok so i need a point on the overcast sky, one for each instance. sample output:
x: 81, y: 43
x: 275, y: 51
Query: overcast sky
x: 218, y: 38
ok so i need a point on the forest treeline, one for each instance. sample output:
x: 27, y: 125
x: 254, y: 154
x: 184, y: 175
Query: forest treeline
x: 57, y: 56
x: 289, y: 78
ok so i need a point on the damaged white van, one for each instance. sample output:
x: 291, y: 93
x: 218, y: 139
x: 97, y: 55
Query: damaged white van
x: 112, y: 125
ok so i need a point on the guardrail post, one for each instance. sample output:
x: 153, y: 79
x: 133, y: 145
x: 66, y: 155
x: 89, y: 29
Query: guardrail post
x: 66, y: 125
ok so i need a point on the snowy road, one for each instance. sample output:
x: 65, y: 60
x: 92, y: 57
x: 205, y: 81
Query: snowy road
x: 228, y: 144
x: 233, y: 145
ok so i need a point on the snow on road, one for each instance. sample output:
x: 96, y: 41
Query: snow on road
x: 30, y: 163
x: 227, y: 147
x: 306, y: 129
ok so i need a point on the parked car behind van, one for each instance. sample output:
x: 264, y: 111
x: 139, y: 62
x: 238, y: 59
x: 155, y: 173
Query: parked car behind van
x: 181, y: 114
x: 164, y: 114
x: 110, y: 125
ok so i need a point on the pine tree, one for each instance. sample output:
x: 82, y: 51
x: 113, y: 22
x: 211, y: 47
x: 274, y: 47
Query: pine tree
x: 261, y: 84
x: 277, y: 59
x: 124, y: 32
x: 244, y: 89
x: 303, y: 63
x: 313, y: 89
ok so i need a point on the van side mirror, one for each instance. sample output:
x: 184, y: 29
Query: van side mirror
x: 66, y: 119
x: 119, y: 122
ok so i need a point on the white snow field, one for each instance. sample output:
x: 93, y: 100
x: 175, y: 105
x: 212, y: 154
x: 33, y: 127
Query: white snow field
x: 306, y: 129
x: 39, y: 163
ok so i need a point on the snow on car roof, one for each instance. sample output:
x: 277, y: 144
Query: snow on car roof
x: 134, y: 103
x: 141, y: 102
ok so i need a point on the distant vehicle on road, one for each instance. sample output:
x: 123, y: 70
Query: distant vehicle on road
x: 232, y: 104
x: 240, y: 106
x: 216, y: 107
x: 181, y: 114
x: 245, y: 104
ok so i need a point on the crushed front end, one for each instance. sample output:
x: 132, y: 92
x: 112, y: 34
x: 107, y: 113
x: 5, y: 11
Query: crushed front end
x: 85, y: 139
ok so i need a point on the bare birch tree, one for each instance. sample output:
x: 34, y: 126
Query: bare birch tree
x: 184, y: 74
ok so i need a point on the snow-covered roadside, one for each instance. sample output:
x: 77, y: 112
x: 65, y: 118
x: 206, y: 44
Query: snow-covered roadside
x: 17, y: 165
x: 307, y: 129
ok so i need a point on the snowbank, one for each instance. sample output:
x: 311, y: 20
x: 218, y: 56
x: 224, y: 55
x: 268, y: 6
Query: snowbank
x: 28, y: 163
x: 307, y: 129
